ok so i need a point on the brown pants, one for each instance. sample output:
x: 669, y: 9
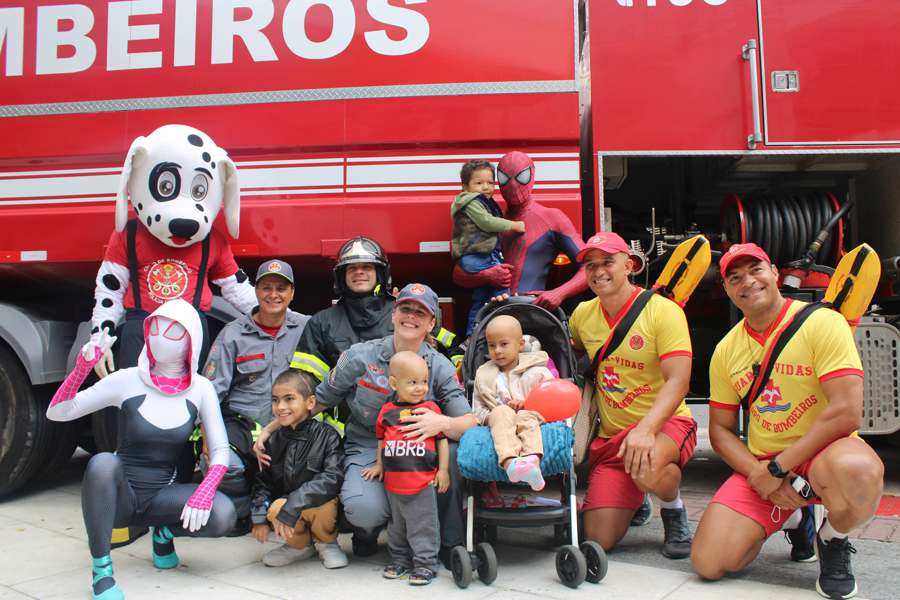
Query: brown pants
x: 515, y: 433
x: 315, y: 524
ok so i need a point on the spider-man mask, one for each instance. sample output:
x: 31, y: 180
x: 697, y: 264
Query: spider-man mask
x: 515, y: 174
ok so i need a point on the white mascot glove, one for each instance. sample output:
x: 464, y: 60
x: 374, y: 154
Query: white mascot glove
x: 101, y: 341
x: 193, y: 519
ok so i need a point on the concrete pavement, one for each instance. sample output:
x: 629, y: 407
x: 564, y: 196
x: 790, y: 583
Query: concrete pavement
x: 44, y: 555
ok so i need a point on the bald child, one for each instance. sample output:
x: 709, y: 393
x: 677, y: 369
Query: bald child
x: 501, y: 386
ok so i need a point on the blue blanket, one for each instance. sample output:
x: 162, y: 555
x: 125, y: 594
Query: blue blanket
x: 477, y: 458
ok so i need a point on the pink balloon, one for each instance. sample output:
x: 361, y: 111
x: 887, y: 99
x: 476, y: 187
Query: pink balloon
x: 555, y: 399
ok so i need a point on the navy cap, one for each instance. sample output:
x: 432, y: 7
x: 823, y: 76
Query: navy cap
x: 275, y: 267
x: 421, y: 293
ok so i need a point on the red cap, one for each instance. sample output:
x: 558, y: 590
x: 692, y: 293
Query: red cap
x: 739, y: 250
x: 607, y: 241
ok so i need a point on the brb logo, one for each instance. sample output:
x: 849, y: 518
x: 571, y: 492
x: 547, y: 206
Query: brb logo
x: 672, y: 2
x: 403, y: 448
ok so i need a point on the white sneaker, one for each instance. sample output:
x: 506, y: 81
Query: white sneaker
x: 285, y: 555
x: 331, y: 555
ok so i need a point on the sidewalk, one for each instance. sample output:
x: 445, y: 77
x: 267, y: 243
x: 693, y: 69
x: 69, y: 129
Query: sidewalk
x: 44, y: 555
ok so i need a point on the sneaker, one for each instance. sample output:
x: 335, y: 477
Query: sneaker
x: 164, y: 556
x: 285, y: 555
x: 677, y: 538
x: 526, y: 469
x: 803, y: 538
x: 364, y: 544
x: 421, y: 576
x: 836, y: 579
x: 331, y: 555
x: 395, y: 572
x: 643, y: 513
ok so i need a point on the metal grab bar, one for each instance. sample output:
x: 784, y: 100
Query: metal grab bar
x: 749, y: 53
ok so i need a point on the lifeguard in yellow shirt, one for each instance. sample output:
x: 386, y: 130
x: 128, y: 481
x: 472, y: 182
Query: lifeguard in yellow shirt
x: 803, y: 423
x: 647, y: 433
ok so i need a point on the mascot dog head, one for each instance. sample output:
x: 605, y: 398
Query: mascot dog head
x: 178, y: 179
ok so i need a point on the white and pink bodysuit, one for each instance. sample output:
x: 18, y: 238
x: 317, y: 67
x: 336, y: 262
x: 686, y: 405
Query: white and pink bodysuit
x: 161, y: 401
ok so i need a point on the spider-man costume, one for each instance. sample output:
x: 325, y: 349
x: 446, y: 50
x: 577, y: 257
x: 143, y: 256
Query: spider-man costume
x: 548, y: 231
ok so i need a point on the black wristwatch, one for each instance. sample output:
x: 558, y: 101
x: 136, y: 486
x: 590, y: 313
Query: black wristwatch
x: 775, y: 470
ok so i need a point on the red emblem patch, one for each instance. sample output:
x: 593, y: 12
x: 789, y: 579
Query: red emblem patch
x: 636, y: 342
x: 274, y: 267
x: 167, y: 279
x: 417, y: 289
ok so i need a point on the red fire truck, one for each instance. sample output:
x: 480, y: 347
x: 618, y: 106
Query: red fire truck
x: 739, y: 119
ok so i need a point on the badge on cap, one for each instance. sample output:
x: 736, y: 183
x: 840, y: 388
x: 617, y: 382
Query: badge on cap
x: 274, y: 266
x: 417, y: 289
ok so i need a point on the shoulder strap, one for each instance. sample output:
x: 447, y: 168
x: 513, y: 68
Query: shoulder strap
x: 778, y: 344
x: 619, y: 332
x: 201, y: 272
x: 131, y: 232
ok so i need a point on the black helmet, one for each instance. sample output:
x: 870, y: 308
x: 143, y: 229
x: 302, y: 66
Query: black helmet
x: 362, y: 250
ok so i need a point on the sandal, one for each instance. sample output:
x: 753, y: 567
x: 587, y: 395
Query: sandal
x: 421, y: 576
x: 395, y: 572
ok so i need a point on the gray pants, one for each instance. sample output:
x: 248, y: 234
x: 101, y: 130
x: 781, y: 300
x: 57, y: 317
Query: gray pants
x: 413, y: 529
x: 366, y: 504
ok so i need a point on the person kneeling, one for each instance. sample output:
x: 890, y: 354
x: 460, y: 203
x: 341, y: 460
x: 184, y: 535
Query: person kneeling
x: 304, y: 479
x: 501, y: 385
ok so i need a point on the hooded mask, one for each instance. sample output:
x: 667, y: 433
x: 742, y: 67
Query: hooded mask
x: 173, y: 336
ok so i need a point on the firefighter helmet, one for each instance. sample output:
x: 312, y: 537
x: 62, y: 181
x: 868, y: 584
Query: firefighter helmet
x: 362, y: 250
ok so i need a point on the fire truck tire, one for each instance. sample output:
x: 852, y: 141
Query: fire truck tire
x: 105, y: 425
x: 25, y: 434
x: 64, y: 441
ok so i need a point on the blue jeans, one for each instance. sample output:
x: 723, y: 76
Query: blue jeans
x: 476, y: 263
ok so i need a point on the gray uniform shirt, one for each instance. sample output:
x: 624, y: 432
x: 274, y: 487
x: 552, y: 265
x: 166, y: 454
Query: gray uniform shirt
x: 245, y: 360
x: 360, y: 379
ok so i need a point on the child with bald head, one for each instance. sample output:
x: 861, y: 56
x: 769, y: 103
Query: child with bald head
x: 412, y: 469
x: 501, y: 386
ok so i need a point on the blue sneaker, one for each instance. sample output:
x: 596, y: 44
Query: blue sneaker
x: 643, y: 513
x: 803, y: 538
x: 164, y: 556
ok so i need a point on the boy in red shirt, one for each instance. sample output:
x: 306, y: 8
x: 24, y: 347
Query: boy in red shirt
x: 411, y: 470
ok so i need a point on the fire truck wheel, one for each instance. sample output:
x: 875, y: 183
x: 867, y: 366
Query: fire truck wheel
x: 105, y: 425
x: 25, y: 433
x: 64, y: 441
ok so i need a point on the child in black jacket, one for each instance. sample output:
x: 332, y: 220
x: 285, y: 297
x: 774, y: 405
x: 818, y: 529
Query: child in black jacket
x: 298, y: 492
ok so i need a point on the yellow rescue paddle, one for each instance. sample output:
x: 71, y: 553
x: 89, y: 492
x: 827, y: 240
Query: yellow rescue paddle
x: 854, y: 282
x: 684, y: 269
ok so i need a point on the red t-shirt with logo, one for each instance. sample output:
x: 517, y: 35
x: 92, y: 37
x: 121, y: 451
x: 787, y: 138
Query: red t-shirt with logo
x: 166, y: 273
x: 409, y: 466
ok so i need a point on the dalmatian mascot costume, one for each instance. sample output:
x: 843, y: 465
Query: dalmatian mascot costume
x: 177, y: 180
x: 529, y: 255
x: 161, y: 400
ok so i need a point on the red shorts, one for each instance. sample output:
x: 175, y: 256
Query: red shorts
x: 609, y: 486
x: 737, y: 495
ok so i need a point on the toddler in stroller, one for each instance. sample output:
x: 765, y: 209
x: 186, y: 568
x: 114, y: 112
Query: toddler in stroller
x: 521, y: 451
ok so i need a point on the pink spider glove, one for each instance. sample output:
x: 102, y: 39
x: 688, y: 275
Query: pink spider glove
x: 73, y: 380
x: 498, y: 276
x: 199, y: 505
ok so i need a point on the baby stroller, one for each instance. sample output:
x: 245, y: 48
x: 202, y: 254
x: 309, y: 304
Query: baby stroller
x: 478, y: 463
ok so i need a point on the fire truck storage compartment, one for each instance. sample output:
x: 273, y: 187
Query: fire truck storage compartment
x: 779, y: 201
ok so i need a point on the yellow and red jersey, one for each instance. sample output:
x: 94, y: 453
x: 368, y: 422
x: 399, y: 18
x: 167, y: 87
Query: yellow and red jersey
x: 630, y: 378
x: 792, y: 398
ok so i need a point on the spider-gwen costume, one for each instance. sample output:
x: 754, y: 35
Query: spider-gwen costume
x: 548, y: 231
x: 161, y: 400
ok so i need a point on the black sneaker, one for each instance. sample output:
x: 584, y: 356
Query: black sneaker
x: 803, y: 538
x: 836, y: 579
x: 643, y: 513
x: 677, y: 538
x: 363, y: 544
x: 421, y: 576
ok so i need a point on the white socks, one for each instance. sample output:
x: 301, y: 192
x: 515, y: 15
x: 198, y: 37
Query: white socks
x: 827, y: 532
x: 673, y: 504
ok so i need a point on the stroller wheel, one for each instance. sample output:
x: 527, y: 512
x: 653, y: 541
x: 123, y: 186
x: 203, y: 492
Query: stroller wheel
x: 597, y: 564
x: 571, y: 566
x: 461, y: 566
x: 487, y: 563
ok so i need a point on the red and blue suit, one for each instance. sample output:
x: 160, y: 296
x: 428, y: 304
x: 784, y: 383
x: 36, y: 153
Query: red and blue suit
x: 529, y: 255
